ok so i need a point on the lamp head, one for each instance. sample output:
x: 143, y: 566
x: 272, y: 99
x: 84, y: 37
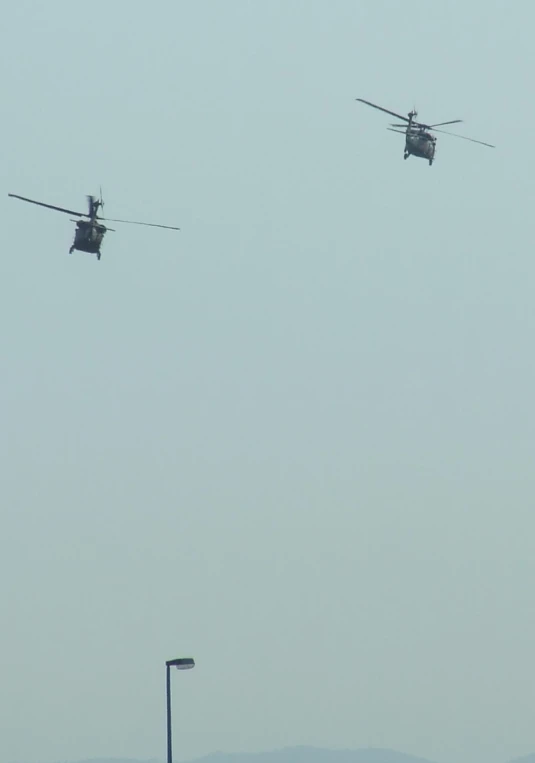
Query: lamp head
x: 182, y: 663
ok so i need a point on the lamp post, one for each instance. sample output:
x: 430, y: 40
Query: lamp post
x: 183, y: 663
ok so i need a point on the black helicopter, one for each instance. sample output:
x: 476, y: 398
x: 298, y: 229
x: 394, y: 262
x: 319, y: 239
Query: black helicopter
x: 89, y: 233
x: 419, y: 141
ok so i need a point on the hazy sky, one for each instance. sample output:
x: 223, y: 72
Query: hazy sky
x: 296, y: 439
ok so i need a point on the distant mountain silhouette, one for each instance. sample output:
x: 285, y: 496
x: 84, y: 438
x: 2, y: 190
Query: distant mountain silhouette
x: 314, y: 755
x: 117, y: 760
x: 299, y: 755
x: 303, y: 755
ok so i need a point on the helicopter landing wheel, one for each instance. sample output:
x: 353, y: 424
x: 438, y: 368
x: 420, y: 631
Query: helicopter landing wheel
x: 430, y: 162
x: 405, y: 155
x: 98, y: 255
x: 71, y: 250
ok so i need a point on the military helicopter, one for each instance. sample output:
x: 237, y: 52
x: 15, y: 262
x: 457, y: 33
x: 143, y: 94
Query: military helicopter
x: 89, y: 233
x: 419, y: 141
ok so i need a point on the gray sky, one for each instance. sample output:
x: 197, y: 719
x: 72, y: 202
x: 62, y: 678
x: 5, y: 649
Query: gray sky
x: 294, y: 440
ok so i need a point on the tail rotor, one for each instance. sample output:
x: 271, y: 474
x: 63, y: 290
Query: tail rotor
x: 95, y: 205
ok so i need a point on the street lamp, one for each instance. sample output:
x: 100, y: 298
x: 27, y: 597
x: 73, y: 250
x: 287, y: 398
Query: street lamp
x: 183, y: 663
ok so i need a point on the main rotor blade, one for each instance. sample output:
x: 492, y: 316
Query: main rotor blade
x: 136, y: 222
x: 453, y: 122
x: 400, y: 132
x: 380, y: 108
x: 455, y: 135
x: 48, y: 206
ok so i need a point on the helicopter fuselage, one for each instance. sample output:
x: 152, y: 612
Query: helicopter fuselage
x: 421, y: 144
x: 88, y: 237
